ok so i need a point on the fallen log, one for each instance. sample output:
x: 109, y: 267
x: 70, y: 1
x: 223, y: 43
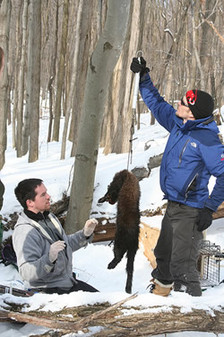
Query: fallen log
x: 65, y: 326
x: 104, y: 232
x: 148, y: 237
x: 146, y: 324
x: 138, y: 324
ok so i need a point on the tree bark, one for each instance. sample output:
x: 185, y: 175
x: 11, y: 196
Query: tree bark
x: 21, y: 74
x: 162, y: 323
x: 53, y: 74
x: 16, y: 122
x: 56, y: 324
x: 138, y: 324
x: 175, y: 43
x: 34, y: 76
x: 205, y: 47
x: 195, y: 41
x: 117, y: 125
x: 5, y: 9
x: 61, y: 73
x: 88, y: 37
x: 74, y: 80
x: 102, y: 62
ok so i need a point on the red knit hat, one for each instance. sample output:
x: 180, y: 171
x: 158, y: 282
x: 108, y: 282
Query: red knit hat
x: 200, y: 103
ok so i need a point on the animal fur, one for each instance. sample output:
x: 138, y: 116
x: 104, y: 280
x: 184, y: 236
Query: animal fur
x: 124, y: 189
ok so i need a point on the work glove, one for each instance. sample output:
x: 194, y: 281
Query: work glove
x: 137, y: 67
x: 89, y: 227
x: 204, y: 219
x: 55, y: 248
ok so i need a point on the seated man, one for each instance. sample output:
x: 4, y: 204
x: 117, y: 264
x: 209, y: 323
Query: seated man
x: 43, y: 250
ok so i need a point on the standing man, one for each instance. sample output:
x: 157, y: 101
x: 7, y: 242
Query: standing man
x: 43, y: 250
x: 2, y: 187
x: 193, y: 153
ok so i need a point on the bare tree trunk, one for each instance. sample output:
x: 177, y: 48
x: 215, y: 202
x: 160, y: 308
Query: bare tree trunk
x: 26, y: 122
x: 102, y: 62
x: 15, y: 122
x: 5, y: 9
x: 205, y: 46
x: 61, y: 73
x: 175, y: 43
x: 34, y: 76
x: 73, y: 79
x: 52, y: 76
x: 21, y: 81
x: 89, y: 34
x: 119, y: 106
x: 195, y: 38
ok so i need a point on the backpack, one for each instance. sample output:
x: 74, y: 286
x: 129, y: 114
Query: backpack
x: 8, y: 255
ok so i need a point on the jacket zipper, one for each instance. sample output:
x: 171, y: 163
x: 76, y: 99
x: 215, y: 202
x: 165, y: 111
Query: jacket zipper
x: 188, y: 186
x: 182, y: 152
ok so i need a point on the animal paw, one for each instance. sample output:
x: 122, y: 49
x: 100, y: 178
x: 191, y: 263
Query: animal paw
x: 128, y: 289
x: 112, y: 264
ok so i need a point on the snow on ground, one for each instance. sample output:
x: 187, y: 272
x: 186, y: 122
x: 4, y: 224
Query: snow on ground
x: 90, y: 264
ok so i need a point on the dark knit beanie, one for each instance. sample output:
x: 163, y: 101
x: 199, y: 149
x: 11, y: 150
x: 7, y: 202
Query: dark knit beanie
x: 200, y: 103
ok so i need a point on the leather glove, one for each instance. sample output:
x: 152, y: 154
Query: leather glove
x: 137, y: 67
x: 204, y: 219
x: 89, y: 227
x: 55, y: 248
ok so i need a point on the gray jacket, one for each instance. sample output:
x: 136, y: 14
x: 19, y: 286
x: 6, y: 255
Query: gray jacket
x: 31, y: 243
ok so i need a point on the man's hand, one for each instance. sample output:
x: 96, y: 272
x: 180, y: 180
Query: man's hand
x: 204, y: 219
x: 89, y: 227
x: 137, y: 66
x: 55, y: 248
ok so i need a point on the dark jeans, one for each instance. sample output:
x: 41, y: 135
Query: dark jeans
x: 177, y: 248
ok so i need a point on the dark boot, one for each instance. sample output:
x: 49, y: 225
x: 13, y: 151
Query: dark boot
x: 191, y: 288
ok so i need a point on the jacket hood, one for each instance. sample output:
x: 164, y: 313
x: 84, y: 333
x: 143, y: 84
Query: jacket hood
x: 21, y: 218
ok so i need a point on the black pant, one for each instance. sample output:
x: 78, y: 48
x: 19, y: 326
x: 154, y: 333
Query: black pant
x: 79, y: 285
x: 177, y: 248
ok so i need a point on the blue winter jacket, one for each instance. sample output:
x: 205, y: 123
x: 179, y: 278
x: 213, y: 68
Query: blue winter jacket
x: 193, y: 153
